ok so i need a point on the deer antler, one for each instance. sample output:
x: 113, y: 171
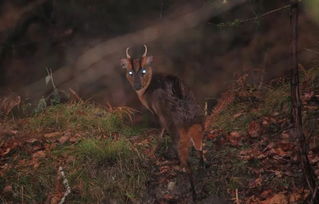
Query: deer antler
x: 145, y: 50
x: 127, y: 55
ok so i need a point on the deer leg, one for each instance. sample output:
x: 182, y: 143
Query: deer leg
x: 196, y: 134
x: 183, y: 148
x: 183, y: 152
x: 162, y: 133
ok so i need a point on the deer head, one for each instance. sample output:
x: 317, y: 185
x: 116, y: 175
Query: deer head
x: 138, y: 70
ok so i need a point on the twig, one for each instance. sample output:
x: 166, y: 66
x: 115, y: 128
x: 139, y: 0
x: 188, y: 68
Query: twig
x: 75, y: 95
x: 241, y: 21
x: 313, y: 199
x: 22, y: 197
x: 66, y: 184
x: 237, y: 197
x: 263, y: 71
x: 312, y: 51
x: 264, y: 14
x: 205, y: 109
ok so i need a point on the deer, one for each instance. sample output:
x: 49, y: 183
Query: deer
x: 171, y: 101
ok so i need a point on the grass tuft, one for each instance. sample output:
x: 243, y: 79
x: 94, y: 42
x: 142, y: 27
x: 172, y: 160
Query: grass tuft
x: 104, y: 151
x: 81, y: 117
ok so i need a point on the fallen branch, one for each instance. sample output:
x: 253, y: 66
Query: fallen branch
x: 66, y: 184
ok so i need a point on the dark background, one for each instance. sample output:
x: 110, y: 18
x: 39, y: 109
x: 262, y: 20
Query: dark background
x: 35, y: 35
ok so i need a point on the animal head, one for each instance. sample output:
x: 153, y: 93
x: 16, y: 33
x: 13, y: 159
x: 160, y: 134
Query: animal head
x: 138, y: 70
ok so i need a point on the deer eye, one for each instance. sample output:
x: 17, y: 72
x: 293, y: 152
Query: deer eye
x: 130, y: 73
x: 144, y: 71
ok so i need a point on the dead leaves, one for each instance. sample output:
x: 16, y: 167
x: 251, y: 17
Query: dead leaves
x: 279, y: 198
x: 38, y: 155
x: 295, y: 196
x: 35, y: 147
x: 234, y: 138
x: 52, y: 134
x: 8, y: 146
x: 254, y: 129
x: 62, y: 137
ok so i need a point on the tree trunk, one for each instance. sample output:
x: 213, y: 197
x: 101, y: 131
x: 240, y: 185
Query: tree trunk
x: 296, y: 106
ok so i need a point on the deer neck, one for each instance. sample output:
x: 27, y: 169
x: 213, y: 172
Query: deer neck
x: 141, y: 94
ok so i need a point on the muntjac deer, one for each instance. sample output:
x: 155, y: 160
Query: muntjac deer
x: 170, y: 100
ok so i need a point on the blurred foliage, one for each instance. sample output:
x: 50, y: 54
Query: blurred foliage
x: 312, y: 6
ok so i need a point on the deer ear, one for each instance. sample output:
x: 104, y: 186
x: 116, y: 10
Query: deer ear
x: 124, y: 63
x: 148, y: 60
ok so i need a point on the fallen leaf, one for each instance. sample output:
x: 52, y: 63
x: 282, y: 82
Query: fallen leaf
x: 253, y: 200
x: 255, y: 183
x: 254, y: 129
x: 286, y: 146
x: 35, y: 163
x: 64, y: 139
x: 7, y: 189
x: 168, y: 196
x: 74, y: 139
x: 32, y: 140
x: 313, y: 158
x: 277, y: 173
x: 8, y: 146
x: 214, y: 134
x: 52, y: 134
x: 298, y: 195
x: 234, y: 138
x: 279, y: 151
x: 70, y: 158
x: 279, y: 198
x: 237, y: 115
x: 265, y: 193
x: 36, y: 148
x: 285, y: 135
x: 48, y: 146
x: 38, y: 154
x: 6, y: 151
x: 308, y: 96
x: 249, y: 154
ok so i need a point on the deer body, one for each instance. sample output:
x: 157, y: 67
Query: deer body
x: 173, y: 103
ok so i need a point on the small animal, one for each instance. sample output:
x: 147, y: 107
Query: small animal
x: 171, y: 101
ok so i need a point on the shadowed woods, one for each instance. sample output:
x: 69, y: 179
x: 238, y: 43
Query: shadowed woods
x: 110, y: 154
x: 100, y: 60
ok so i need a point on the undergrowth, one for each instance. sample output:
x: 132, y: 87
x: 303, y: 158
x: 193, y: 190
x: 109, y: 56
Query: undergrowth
x: 82, y: 117
x: 101, y: 164
x: 269, y: 106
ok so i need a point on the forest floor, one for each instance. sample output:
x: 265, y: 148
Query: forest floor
x: 106, y: 157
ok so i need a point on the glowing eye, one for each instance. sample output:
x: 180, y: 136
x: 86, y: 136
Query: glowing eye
x: 130, y: 73
x: 144, y: 71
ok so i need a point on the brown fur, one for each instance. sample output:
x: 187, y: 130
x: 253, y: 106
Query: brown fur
x: 171, y: 101
x: 192, y: 135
